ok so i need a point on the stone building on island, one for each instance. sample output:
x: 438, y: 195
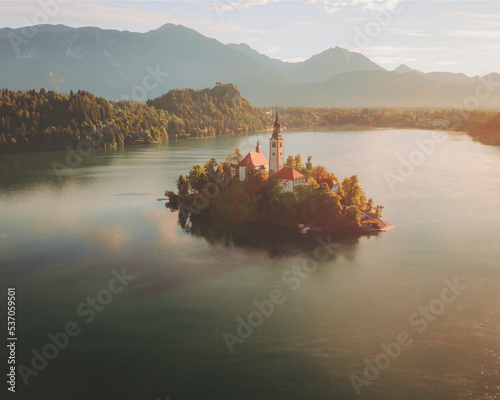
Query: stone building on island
x: 276, y: 148
x: 256, y: 159
x: 288, y: 177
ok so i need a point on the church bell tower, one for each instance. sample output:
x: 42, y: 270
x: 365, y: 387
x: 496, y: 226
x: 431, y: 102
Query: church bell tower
x: 276, y: 150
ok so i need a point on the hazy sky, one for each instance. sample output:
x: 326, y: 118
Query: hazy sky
x: 457, y: 36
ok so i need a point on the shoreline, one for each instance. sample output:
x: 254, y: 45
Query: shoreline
x: 319, y: 128
x: 371, y: 127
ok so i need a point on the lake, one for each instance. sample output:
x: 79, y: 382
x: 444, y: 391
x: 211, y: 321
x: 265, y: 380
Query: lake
x: 139, y: 308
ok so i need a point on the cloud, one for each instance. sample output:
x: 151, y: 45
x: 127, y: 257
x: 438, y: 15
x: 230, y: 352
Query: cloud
x: 471, y: 15
x: 308, y: 23
x: 267, y: 49
x: 393, y: 60
x: 327, y: 6
x: 132, y: 16
x: 375, y: 5
x: 470, y: 34
x: 77, y: 14
x: 248, y: 39
x: 399, y: 49
x: 224, y: 6
x: 333, y: 6
x: 407, y: 32
x: 209, y: 28
x: 448, y: 62
x: 293, y: 60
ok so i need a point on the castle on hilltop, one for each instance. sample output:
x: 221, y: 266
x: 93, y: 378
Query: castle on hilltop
x: 288, y: 177
x: 231, y: 85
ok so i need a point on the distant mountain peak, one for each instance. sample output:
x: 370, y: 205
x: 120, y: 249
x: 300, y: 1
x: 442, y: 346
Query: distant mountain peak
x: 244, y: 45
x: 405, y: 69
x: 335, y: 51
x: 168, y: 25
x: 332, y: 51
x: 339, y: 49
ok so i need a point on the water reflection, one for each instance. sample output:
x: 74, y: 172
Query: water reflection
x: 275, y: 241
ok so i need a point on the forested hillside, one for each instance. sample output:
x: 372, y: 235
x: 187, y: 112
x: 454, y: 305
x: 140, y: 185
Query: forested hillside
x: 213, y: 111
x: 46, y: 120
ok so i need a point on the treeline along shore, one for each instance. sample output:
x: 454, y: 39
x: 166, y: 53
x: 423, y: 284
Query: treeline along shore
x: 481, y: 125
x: 33, y: 121
x: 47, y: 121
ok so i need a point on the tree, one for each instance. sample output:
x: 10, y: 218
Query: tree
x: 223, y: 172
x: 319, y: 172
x: 323, y: 189
x: 197, y: 178
x: 297, y: 163
x: 353, y: 215
x: 173, y: 200
x: 274, y: 209
x: 331, y: 175
x: 378, y: 211
x: 369, y: 206
x: 236, y: 157
x: 182, y: 186
x: 289, y: 161
x: 309, y: 166
x: 353, y: 194
x: 148, y: 139
x: 331, y: 211
x: 250, y: 172
x: 210, y: 169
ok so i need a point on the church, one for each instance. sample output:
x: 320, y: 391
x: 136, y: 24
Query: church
x: 288, y: 177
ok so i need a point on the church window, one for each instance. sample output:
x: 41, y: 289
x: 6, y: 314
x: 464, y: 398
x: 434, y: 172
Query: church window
x: 274, y: 144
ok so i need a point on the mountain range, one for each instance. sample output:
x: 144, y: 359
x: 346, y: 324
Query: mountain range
x: 127, y: 65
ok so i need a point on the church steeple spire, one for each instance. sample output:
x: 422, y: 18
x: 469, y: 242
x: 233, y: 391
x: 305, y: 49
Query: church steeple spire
x: 277, y: 127
x: 276, y: 149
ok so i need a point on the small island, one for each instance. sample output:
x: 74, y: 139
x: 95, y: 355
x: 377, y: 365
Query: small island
x: 276, y: 193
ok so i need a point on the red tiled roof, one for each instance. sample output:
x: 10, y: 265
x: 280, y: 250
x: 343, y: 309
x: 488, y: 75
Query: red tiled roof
x: 289, y: 174
x: 254, y: 159
x: 330, y: 182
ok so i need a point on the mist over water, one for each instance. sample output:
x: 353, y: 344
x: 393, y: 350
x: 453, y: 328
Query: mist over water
x: 162, y: 335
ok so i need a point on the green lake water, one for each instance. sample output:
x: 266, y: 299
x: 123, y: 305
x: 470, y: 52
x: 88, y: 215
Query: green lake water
x: 64, y: 233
